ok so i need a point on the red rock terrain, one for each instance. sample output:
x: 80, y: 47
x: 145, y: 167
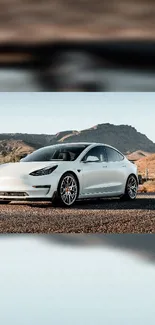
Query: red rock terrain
x: 147, y: 163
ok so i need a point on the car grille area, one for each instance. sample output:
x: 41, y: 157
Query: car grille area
x: 13, y: 194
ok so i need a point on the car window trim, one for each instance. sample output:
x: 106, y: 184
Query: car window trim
x: 115, y: 151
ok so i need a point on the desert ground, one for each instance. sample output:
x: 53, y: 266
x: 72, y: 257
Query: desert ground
x: 101, y: 216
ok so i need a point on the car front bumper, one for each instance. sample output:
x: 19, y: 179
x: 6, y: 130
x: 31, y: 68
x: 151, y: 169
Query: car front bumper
x: 19, y: 189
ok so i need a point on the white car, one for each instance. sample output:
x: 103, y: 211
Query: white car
x: 64, y: 173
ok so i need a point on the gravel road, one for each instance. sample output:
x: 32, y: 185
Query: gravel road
x: 102, y: 216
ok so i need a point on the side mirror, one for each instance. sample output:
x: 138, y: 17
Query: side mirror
x: 90, y: 159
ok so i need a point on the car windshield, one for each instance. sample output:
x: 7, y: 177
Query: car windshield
x: 57, y: 152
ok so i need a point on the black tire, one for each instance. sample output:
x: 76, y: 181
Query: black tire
x: 4, y: 202
x: 67, y: 193
x: 130, y: 193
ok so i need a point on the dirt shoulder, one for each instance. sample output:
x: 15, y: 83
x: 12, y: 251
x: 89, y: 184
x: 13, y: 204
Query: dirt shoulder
x: 104, y: 216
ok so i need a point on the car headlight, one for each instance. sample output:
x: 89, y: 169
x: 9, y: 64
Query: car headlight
x: 43, y: 171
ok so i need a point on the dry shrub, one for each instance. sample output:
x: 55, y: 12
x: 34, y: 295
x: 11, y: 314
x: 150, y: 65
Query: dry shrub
x: 148, y: 187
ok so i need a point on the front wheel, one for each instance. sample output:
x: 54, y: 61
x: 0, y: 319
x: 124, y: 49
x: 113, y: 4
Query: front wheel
x: 131, y: 188
x: 68, y: 190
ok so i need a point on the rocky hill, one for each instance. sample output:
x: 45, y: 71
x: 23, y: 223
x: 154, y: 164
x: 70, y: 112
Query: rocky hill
x: 34, y: 140
x: 126, y: 138
x: 13, y: 150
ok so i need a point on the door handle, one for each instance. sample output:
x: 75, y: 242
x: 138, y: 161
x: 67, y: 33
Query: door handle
x: 123, y: 166
x: 104, y: 166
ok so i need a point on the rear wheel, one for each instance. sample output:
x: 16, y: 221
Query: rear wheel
x: 68, y: 190
x: 131, y: 188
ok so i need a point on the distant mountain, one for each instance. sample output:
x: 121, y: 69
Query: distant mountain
x: 34, y: 140
x: 62, y: 136
x: 124, y: 137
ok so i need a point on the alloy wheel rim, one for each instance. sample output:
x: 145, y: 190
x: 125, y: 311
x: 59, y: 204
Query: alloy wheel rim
x: 68, y: 190
x: 132, y: 187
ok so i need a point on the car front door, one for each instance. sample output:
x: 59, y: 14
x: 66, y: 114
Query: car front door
x: 94, y: 172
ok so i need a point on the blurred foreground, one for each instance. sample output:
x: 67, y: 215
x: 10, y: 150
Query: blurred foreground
x: 78, y: 279
x: 49, y: 20
x: 114, y: 65
x: 77, y: 45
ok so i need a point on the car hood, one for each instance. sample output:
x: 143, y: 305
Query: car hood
x: 20, y: 168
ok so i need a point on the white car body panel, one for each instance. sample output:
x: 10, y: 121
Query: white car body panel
x: 96, y: 179
x: 101, y: 179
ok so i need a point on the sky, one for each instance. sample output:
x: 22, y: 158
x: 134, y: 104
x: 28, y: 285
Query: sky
x: 50, y: 113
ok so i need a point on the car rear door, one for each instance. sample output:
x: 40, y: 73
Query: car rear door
x: 117, y: 171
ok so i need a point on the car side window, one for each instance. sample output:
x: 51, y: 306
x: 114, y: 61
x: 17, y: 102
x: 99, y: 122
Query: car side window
x: 113, y: 155
x: 96, y: 154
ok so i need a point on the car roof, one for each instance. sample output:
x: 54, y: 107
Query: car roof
x: 71, y: 144
x: 82, y: 144
x: 76, y: 144
x: 85, y: 143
